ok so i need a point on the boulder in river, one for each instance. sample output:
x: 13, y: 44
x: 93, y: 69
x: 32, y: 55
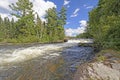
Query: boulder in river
x: 65, y: 40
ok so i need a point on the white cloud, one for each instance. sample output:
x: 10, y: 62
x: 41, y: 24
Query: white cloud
x: 67, y: 22
x: 87, y: 6
x: 5, y: 9
x: 78, y: 30
x: 68, y: 6
x: 66, y: 2
x: 8, y: 15
x: 75, y: 13
x: 4, y: 4
x: 4, y: 15
x: 39, y: 6
x: 83, y: 23
x: 84, y: 5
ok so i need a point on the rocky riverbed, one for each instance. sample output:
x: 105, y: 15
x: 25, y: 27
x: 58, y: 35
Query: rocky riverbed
x: 105, y: 66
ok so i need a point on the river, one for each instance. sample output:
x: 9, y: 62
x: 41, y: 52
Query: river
x: 15, y: 59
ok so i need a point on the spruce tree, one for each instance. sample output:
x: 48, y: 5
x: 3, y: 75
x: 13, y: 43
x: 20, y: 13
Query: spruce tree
x: 62, y: 21
x: 39, y: 27
x: 1, y: 29
x: 51, y: 18
x: 24, y: 13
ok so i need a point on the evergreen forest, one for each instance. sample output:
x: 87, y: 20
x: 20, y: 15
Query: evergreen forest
x: 104, y: 24
x: 28, y: 28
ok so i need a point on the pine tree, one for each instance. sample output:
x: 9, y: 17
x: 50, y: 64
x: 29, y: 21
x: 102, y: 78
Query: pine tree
x: 51, y: 17
x: 61, y: 22
x: 39, y: 27
x: 12, y: 30
x: 1, y: 29
x: 22, y: 8
x: 25, y: 24
x: 6, y: 27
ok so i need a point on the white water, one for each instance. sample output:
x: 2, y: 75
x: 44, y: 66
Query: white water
x: 81, y: 41
x: 8, y: 56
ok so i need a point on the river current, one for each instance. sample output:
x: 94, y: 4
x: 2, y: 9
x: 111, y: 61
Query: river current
x: 70, y: 52
x: 11, y: 54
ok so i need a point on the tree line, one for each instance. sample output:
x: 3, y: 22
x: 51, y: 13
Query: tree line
x: 30, y: 29
x: 104, y: 24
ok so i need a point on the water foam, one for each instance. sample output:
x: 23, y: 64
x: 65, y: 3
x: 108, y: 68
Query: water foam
x: 22, y: 54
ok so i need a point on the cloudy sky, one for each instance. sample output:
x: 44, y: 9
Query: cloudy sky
x: 77, y: 12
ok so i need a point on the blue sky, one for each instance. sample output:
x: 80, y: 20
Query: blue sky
x: 84, y: 7
x: 77, y: 12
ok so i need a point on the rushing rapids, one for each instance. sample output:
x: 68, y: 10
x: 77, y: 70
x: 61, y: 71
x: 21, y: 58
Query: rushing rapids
x: 13, y: 55
x: 19, y: 53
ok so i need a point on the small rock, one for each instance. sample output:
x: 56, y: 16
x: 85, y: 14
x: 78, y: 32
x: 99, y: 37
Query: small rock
x: 108, y: 55
x: 116, y: 66
x: 107, y: 63
x: 114, y: 60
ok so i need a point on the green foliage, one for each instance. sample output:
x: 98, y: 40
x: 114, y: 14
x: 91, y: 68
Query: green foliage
x: 28, y: 39
x: 84, y: 35
x: 55, y: 23
x: 22, y: 8
x: 51, y: 17
x: 104, y: 24
x: 12, y: 41
x: 61, y: 22
x: 101, y: 58
x: 27, y: 29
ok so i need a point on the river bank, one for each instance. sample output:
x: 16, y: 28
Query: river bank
x: 31, y: 43
x: 105, y: 66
